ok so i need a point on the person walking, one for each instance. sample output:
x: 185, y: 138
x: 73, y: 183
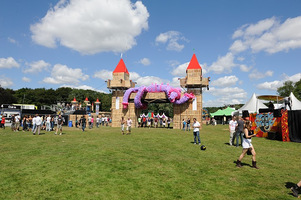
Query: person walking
x: 60, y: 121
x: 129, y: 126
x: 239, y: 131
x: 196, y: 130
x: 122, y: 122
x: 188, y: 125
x: 232, y: 127
x: 247, y: 145
x: 295, y: 189
x: 83, y: 122
x: 48, y: 123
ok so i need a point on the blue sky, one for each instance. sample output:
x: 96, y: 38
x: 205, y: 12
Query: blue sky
x: 245, y: 47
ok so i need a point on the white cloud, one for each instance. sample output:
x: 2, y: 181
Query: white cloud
x: 238, y: 46
x: 180, y: 71
x: 37, y: 66
x: 61, y: 74
x: 245, y: 68
x: 274, y: 85
x: 11, y: 40
x: 270, y: 85
x: 145, y: 61
x: 84, y: 87
x: 8, y: 62
x: 172, y: 39
x: 92, y: 26
x: 26, y: 79
x: 226, y: 96
x: 240, y: 58
x: 268, y: 35
x: 225, y: 81
x: 5, y: 82
x: 103, y: 74
x: 223, y: 64
x: 255, y: 74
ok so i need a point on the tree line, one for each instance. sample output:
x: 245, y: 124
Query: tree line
x: 47, y: 97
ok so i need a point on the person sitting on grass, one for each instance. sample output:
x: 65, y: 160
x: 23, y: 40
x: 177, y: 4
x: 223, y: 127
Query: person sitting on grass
x: 247, y: 145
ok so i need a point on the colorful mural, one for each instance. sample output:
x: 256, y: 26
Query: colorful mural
x: 263, y: 123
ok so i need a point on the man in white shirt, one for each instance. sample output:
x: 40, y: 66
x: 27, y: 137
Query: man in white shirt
x: 232, y: 127
x: 196, y: 130
x: 17, y: 121
x: 48, y: 127
x: 38, y: 122
x: 129, y: 125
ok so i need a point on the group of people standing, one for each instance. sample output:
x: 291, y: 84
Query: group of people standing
x: 99, y: 121
x: 128, y: 123
x: 186, y: 125
x: 154, y: 122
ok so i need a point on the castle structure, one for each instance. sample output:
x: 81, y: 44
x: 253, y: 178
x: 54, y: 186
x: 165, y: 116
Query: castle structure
x: 194, y: 82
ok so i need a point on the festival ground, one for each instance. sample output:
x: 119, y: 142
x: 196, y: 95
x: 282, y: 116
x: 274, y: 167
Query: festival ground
x: 148, y: 164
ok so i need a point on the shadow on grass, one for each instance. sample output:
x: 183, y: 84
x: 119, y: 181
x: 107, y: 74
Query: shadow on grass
x: 243, y: 164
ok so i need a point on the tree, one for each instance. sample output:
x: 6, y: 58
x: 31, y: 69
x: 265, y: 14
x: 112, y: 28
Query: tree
x: 289, y: 87
x: 297, y: 90
x: 6, y: 96
x: 286, y: 89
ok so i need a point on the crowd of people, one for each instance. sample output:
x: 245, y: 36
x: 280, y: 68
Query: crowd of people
x: 154, y: 122
x: 98, y: 121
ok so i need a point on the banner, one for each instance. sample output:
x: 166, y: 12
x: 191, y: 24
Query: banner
x: 194, y: 104
x: 117, y: 103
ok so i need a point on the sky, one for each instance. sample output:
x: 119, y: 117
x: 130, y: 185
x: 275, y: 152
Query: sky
x: 245, y: 47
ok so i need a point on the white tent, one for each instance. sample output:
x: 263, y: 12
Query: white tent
x: 295, y: 103
x: 253, y: 105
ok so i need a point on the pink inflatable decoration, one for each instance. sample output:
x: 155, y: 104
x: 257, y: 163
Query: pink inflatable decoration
x: 173, y: 94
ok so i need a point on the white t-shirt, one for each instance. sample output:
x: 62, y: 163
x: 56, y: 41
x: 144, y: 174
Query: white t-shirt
x: 48, y: 119
x: 129, y: 122
x: 232, y: 125
x: 196, y: 126
x: 38, y: 121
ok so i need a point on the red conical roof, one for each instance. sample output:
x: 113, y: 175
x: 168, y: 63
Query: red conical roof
x: 97, y: 100
x: 86, y: 99
x: 121, y: 67
x: 194, y: 63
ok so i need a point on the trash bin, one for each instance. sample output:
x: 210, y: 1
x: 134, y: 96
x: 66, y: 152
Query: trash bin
x: 70, y: 123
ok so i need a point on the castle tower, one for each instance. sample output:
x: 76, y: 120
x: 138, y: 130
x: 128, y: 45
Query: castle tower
x: 119, y: 84
x: 193, y: 82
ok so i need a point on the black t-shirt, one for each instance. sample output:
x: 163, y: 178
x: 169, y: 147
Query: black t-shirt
x: 240, y: 125
x: 60, y: 120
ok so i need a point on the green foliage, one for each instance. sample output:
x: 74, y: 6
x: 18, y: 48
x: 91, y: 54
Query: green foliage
x: 42, y: 96
x: 6, y: 96
x: 289, y: 87
x: 286, y: 89
x: 166, y: 108
x: 148, y: 164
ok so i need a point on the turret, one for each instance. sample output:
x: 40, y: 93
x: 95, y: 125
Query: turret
x: 121, y: 78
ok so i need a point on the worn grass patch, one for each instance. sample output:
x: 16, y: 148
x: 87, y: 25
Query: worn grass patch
x: 148, y: 164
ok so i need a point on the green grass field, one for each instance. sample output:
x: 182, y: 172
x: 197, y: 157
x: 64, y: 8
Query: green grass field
x: 148, y: 164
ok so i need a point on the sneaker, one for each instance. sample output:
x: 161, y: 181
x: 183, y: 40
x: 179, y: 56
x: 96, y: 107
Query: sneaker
x: 199, y: 143
x: 194, y: 143
x: 60, y: 133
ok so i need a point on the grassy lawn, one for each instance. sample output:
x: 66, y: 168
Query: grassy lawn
x: 148, y: 164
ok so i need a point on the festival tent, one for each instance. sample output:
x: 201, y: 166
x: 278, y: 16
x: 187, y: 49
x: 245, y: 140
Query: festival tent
x: 253, y: 105
x: 227, y: 112
x: 295, y: 103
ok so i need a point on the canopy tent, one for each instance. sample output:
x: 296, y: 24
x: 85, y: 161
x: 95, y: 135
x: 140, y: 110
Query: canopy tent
x: 227, y: 112
x: 253, y: 105
x: 295, y: 103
